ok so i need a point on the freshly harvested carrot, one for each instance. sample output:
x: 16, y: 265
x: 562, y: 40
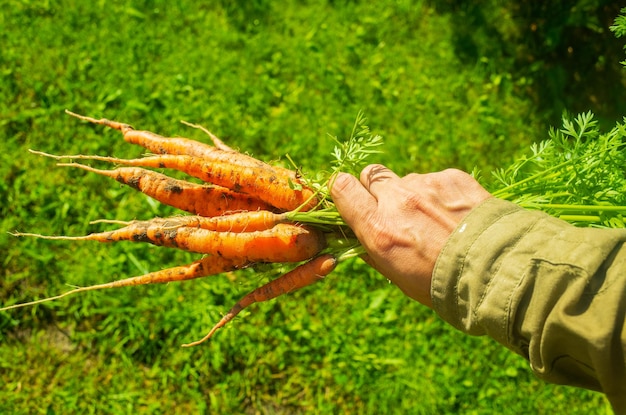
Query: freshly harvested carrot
x: 282, y: 243
x: 203, y: 200
x: 154, y: 142
x: 300, y: 277
x: 184, y: 146
x: 279, y: 191
x: 209, y: 265
x: 258, y: 220
x: 250, y: 221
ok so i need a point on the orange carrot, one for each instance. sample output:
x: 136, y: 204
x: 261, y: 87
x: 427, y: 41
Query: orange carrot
x: 209, y: 265
x: 279, y: 191
x: 184, y: 146
x: 282, y: 243
x: 154, y: 142
x: 203, y: 200
x: 258, y: 220
x: 300, y: 277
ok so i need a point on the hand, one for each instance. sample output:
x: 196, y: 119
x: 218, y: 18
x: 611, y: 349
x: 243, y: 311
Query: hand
x: 404, y: 222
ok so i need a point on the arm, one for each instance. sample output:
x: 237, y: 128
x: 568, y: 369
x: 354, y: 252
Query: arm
x: 551, y: 292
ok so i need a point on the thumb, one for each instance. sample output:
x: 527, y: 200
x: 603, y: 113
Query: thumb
x: 343, y: 187
x: 352, y: 199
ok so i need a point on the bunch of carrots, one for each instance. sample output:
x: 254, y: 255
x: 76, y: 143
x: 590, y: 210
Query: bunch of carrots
x: 246, y: 212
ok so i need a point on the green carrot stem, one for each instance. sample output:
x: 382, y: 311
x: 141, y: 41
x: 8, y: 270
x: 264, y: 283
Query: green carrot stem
x: 581, y: 218
x: 574, y: 207
x: 505, y: 192
x: 317, y: 217
x: 351, y: 253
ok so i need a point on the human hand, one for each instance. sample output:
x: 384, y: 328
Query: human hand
x: 404, y: 222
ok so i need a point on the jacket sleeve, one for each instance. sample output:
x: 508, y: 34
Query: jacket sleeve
x: 549, y: 291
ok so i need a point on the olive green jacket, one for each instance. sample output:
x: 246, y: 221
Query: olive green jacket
x: 549, y: 291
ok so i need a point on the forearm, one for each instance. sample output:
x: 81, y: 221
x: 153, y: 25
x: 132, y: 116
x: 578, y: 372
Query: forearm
x: 551, y: 292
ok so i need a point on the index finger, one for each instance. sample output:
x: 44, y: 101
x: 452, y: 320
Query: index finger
x: 376, y: 178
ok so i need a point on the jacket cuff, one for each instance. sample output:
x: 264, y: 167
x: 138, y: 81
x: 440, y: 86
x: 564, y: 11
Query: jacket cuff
x: 463, y: 290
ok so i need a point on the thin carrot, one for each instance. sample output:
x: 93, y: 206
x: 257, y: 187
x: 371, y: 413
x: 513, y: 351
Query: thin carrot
x: 300, y: 277
x: 184, y: 146
x: 258, y: 220
x: 209, y: 265
x: 154, y: 142
x: 279, y: 191
x: 203, y: 200
x: 282, y: 243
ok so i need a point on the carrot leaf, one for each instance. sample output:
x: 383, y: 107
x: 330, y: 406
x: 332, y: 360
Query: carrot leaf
x: 578, y: 174
x: 352, y: 155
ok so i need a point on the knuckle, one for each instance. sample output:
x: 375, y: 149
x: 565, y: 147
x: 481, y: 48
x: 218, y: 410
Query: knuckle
x: 413, y: 201
x: 379, y: 236
x: 374, y: 172
x: 455, y: 174
x: 372, y: 168
x: 381, y: 241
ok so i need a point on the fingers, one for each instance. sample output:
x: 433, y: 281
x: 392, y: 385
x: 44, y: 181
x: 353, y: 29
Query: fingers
x: 357, y: 200
x: 376, y: 177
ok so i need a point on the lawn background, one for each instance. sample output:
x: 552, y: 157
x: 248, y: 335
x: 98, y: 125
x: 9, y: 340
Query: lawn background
x: 446, y: 83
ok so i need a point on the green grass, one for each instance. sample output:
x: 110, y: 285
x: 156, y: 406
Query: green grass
x: 271, y: 78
